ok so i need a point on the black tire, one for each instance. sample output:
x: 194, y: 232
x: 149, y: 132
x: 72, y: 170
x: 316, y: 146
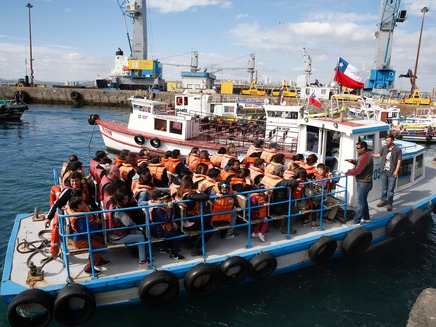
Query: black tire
x: 428, y: 138
x: 399, y: 137
x: 74, y: 305
x: 76, y: 96
x: 398, y: 225
x: 262, y: 265
x: 139, y: 139
x: 31, y: 299
x: 158, y: 288
x: 155, y: 142
x: 357, y: 241
x: 322, y: 249
x: 233, y: 270
x: 419, y: 223
x: 202, y: 280
x: 93, y: 118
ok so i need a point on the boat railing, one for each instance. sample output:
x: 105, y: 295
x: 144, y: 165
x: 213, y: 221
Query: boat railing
x: 323, y: 199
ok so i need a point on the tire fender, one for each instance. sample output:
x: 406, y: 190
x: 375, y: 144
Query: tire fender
x: 93, y: 119
x: 158, y: 288
x: 322, y: 249
x: 357, y: 241
x: 155, y: 142
x: 262, y: 265
x: 419, y: 222
x: 24, y: 302
x: 398, y: 225
x: 202, y: 280
x: 76, y: 96
x: 74, y: 305
x: 139, y: 139
x: 233, y: 270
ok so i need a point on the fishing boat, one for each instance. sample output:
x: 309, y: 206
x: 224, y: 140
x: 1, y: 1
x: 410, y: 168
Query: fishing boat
x: 420, y: 127
x: 369, y: 109
x: 39, y: 286
x: 11, y: 110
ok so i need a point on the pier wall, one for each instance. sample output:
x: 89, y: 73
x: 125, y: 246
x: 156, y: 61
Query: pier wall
x: 423, y: 313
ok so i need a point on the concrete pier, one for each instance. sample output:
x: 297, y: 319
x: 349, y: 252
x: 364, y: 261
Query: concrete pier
x: 423, y: 313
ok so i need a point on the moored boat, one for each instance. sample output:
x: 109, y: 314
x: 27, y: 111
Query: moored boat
x: 62, y: 290
x: 11, y: 110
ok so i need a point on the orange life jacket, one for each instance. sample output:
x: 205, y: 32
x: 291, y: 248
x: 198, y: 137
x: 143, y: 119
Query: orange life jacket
x: 119, y: 161
x: 142, y: 188
x: 267, y: 154
x: 197, y: 178
x: 192, y: 160
x: 193, y: 212
x: 226, y: 203
x: 271, y: 181
x: 73, y: 219
x: 238, y: 180
x: 288, y: 174
x: 226, y: 174
x: 125, y: 169
x: 113, y: 224
x: 205, y: 184
x: 311, y: 169
x: 167, y: 226
x: 157, y: 170
x: 216, y: 159
x: 249, y: 161
x: 253, y: 149
x: 225, y: 160
x: 258, y: 213
x: 172, y: 164
x: 270, y: 167
x: 255, y: 171
x: 327, y: 184
x: 206, y: 162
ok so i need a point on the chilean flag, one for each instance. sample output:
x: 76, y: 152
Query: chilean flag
x: 313, y: 100
x: 349, y: 76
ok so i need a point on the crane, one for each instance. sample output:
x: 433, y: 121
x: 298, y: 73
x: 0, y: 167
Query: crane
x: 382, y: 76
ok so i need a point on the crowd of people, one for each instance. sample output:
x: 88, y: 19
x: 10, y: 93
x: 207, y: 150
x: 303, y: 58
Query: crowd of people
x: 210, y: 183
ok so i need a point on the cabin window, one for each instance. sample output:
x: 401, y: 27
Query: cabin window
x: 185, y: 101
x: 369, y: 139
x: 160, y: 125
x: 419, y: 166
x: 176, y: 127
x: 228, y: 109
x: 291, y: 115
x: 405, y: 172
x: 312, y: 139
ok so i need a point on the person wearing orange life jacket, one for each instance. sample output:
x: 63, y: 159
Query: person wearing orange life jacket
x: 218, y: 157
x: 95, y: 162
x: 290, y: 171
x: 256, y: 147
x: 241, y: 182
x: 72, y: 158
x: 267, y: 154
x: 174, y: 164
x: 225, y: 201
x: 121, y: 158
x: 185, y: 192
x: 120, y: 199
x: 144, y: 189
x: 256, y: 169
x: 159, y: 172
x: 322, y: 172
x: 200, y: 174
x: 112, y: 173
x: 164, y: 216
x: 231, y: 154
x: 310, y: 165
x: 166, y: 157
x: 75, y: 181
x: 71, y: 167
x: 79, y: 225
x: 298, y: 159
x: 277, y: 159
x: 193, y: 158
x: 300, y: 192
x: 144, y: 155
x: 142, y: 170
x: 230, y: 170
x: 258, y: 211
x: 206, y: 185
x: 204, y: 159
x: 128, y: 168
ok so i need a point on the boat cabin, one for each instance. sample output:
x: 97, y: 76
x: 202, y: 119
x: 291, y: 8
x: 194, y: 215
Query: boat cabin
x: 333, y: 141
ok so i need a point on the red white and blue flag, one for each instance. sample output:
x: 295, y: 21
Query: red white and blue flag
x: 349, y: 76
x: 313, y: 100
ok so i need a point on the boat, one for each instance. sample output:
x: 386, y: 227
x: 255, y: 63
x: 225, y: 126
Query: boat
x: 369, y: 109
x: 11, y: 110
x: 155, y: 126
x: 38, y: 286
x: 420, y: 127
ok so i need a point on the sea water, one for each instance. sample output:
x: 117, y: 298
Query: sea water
x: 377, y: 289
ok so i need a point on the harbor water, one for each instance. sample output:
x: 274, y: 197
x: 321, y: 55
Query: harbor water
x: 377, y: 289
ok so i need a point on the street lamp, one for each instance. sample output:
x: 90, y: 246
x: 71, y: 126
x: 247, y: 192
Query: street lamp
x: 30, y: 38
x: 423, y: 10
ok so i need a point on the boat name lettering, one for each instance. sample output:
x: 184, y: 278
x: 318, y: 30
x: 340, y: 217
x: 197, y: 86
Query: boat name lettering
x: 181, y: 110
x: 107, y: 131
x: 376, y: 174
x: 142, y: 116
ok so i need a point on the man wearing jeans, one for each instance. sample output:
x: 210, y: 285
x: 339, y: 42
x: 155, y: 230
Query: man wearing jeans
x: 391, y: 157
x: 363, y: 172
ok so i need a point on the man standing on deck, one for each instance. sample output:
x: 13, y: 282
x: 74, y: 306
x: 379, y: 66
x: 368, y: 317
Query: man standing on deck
x: 363, y: 172
x: 391, y: 157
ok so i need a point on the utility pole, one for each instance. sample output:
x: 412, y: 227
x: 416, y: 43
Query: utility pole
x: 423, y: 10
x: 30, y: 38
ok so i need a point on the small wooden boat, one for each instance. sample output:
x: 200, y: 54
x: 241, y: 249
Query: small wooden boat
x: 11, y: 110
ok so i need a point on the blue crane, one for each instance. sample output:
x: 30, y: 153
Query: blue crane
x: 382, y: 76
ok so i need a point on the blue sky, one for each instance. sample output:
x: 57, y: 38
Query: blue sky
x: 76, y: 40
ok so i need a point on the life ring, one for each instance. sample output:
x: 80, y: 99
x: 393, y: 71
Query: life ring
x: 357, y: 241
x: 233, y: 270
x: 54, y: 240
x: 75, y: 95
x: 179, y: 101
x: 202, y: 280
x: 158, y: 288
x: 262, y: 265
x: 19, y: 310
x: 155, y: 142
x: 419, y: 222
x: 139, y: 139
x: 428, y: 138
x: 74, y: 305
x: 93, y: 118
x: 322, y: 249
x: 398, y: 225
